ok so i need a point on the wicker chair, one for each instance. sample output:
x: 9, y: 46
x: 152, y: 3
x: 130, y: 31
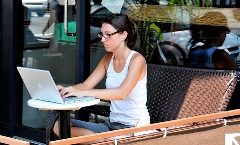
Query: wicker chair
x: 209, y: 92
x: 179, y: 92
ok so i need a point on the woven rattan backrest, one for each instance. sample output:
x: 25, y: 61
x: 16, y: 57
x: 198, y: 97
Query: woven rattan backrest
x: 166, y: 87
x: 209, y: 92
x: 178, y: 92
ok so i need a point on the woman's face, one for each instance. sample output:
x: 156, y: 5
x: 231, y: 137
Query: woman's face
x: 110, y: 37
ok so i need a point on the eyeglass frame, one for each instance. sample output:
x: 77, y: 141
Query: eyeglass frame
x: 107, y: 36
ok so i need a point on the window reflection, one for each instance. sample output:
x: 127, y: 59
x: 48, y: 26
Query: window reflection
x: 164, y: 28
x: 50, y: 49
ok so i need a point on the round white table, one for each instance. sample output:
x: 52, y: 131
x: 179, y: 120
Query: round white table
x: 64, y: 112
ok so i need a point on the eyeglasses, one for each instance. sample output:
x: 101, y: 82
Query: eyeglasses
x: 106, y: 36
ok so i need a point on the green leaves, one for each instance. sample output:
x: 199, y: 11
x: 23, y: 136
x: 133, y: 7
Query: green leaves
x: 198, y: 3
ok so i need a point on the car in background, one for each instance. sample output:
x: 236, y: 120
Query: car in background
x: 38, y: 6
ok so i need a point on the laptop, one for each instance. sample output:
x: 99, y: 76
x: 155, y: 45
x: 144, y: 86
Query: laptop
x: 41, y: 86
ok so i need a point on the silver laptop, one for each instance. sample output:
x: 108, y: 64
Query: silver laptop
x: 41, y: 86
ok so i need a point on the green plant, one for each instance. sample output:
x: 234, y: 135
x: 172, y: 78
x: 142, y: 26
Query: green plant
x: 149, y: 35
x: 198, y: 3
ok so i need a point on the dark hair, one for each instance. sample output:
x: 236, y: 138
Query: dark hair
x: 121, y: 23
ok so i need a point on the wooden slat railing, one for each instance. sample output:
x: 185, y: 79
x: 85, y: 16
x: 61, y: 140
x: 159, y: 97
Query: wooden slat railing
x: 110, y: 134
x: 12, y: 141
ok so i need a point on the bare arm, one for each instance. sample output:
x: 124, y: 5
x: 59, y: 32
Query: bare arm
x: 96, y: 76
x: 51, y: 20
x: 137, y: 70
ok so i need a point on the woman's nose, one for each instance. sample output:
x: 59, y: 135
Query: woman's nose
x: 103, y: 39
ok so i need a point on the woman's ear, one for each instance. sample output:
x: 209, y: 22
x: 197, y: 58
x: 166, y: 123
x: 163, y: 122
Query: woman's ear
x: 124, y: 35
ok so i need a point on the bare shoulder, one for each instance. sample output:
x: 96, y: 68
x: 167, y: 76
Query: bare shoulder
x: 138, y: 66
x: 137, y: 58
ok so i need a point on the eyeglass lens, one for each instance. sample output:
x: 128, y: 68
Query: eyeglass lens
x: 107, y: 36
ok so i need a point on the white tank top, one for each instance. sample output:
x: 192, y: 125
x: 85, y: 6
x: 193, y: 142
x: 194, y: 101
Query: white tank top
x: 132, y: 109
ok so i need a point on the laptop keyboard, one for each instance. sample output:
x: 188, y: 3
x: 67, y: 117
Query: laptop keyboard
x: 70, y: 100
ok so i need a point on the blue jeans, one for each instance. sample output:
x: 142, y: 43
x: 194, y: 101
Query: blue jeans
x: 99, y: 127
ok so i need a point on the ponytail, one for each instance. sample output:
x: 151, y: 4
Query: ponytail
x: 132, y: 34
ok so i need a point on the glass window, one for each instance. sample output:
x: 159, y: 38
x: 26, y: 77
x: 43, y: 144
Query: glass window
x: 46, y: 46
x: 165, y: 28
x: 167, y: 33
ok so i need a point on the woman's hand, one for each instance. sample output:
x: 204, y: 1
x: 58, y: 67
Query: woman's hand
x: 69, y: 91
x: 60, y: 87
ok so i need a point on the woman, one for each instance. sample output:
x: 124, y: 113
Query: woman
x: 125, y: 83
x: 209, y: 32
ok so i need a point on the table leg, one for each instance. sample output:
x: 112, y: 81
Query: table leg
x: 64, y: 124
